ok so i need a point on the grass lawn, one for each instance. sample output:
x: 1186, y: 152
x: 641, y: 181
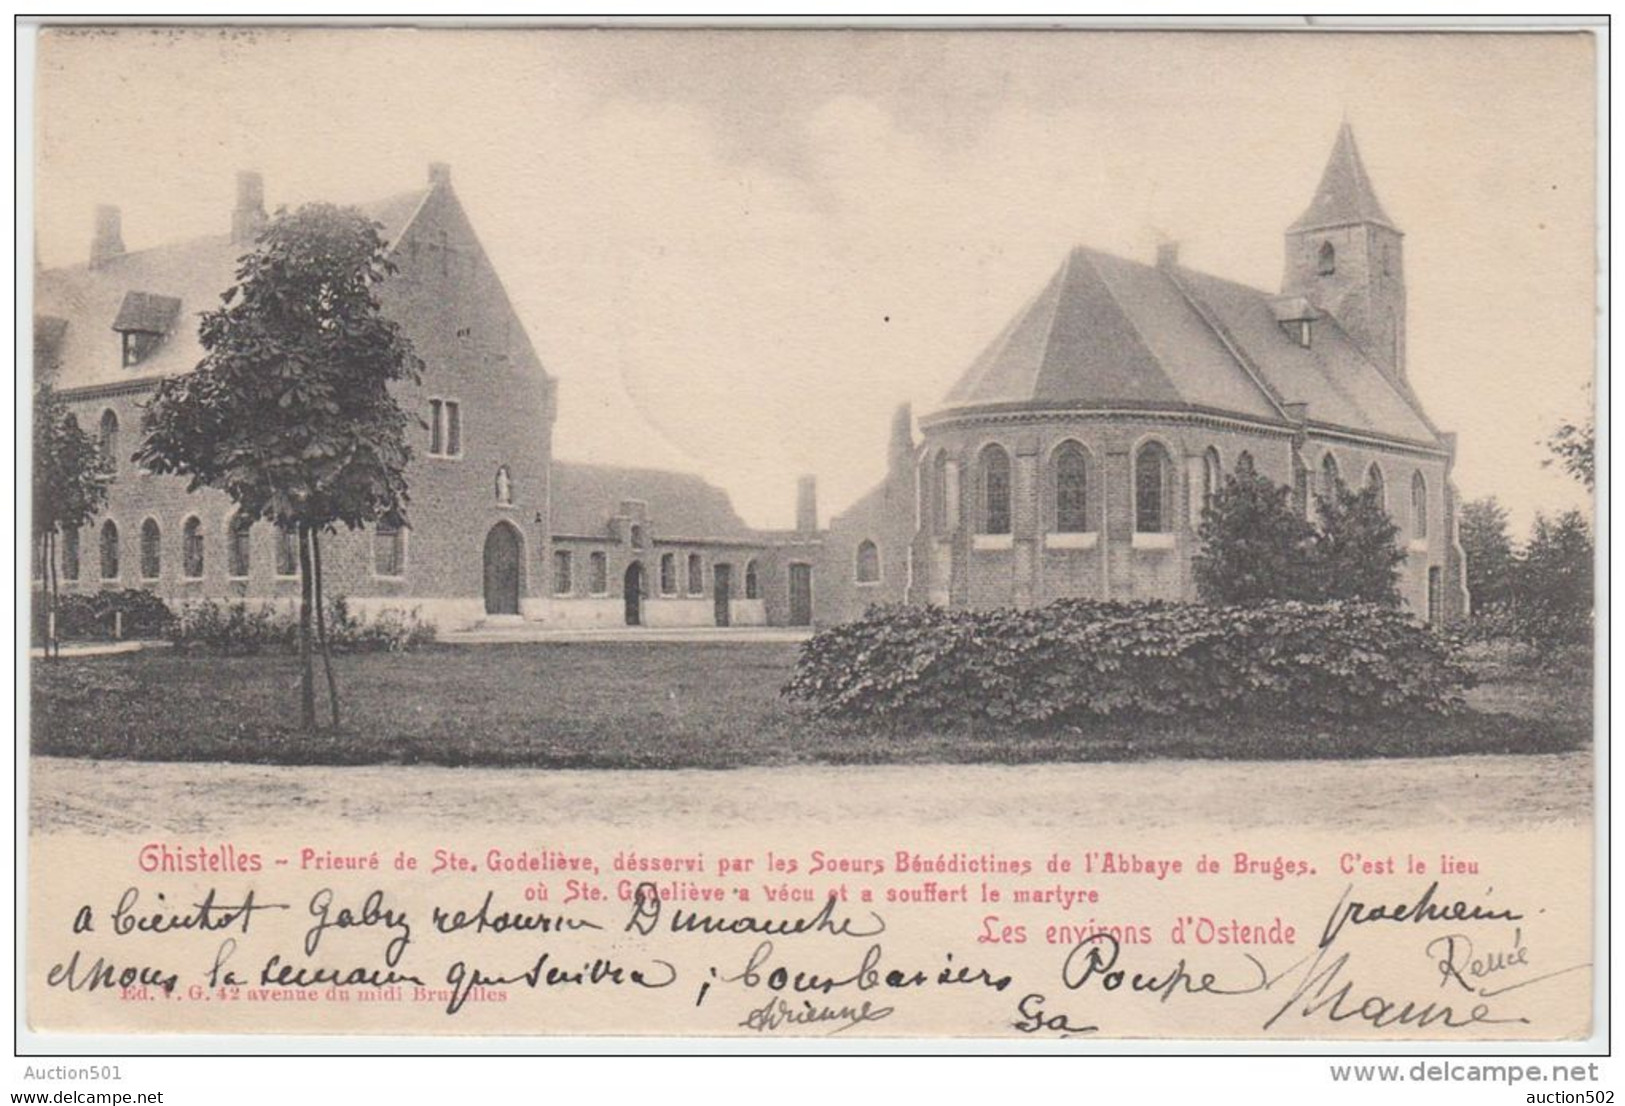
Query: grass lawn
x: 673, y: 705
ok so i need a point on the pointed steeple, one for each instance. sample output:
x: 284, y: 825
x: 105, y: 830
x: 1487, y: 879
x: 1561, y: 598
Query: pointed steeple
x: 1345, y: 195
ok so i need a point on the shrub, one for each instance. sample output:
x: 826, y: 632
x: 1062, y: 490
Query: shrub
x: 238, y: 629
x: 92, y: 616
x: 1079, y: 659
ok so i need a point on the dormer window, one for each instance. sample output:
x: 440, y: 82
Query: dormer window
x: 1306, y: 332
x: 144, y: 321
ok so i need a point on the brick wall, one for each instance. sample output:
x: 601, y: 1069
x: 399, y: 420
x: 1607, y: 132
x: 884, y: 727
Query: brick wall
x: 452, y: 306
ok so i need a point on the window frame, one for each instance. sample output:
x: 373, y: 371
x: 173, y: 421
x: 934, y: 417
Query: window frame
x: 446, y: 416
x: 1166, y: 493
x: 668, y: 574
x: 231, y: 547
x: 1419, y: 507
x: 107, y: 442
x: 192, y: 528
x: 156, y: 549
x: 873, y: 548
x: 753, y: 580
x: 563, y: 580
x: 696, y: 575
x: 598, y: 573
x: 984, y: 491
x: 1070, y: 447
x: 109, y: 526
x: 400, y: 535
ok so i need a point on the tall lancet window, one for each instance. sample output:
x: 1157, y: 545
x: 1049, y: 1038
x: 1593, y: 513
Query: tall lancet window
x: 1326, y: 261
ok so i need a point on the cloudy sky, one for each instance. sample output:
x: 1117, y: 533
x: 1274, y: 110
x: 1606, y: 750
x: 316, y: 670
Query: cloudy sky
x: 739, y: 251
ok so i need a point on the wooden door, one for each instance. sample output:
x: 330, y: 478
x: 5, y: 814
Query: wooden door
x: 801, y: 595
x: 722, y: 592
x: 502, y: 570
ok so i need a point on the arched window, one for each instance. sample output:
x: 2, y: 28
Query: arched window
x: 1071, y: 489
x: 1329, y: 478
x: 696, y: 574
x: 109, y: 550
x: 1151, y: 468
x: 504, y: 486
x: 1326, y: 263
x: 1374, y: 481
x: 389, y: 548
x: 939, y: 492
x: 637, y: 537
x: 192, y: 549
x: 287, y: 551
x: 753, y: 584
x: 668, y: 574
x: 151, y: 549
x: 238, y: 548
x: 1244, y: 463
x: 598, y: 574
x: 1212, y: 476
x: 993, y: 485
x: 109, y: 439
x: 70, y: 553
x: 868, y: 562
x: 1419, y: 506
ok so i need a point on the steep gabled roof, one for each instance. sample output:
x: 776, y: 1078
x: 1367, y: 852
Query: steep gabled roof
x: 1345, y: 195
x: 93, y: 301
x: 585, y: 497
x: 1107, y: 333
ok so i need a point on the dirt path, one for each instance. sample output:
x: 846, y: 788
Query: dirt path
x: 1481, y: 792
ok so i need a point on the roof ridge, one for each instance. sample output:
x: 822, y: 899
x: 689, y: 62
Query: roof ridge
x: 1226, y: 339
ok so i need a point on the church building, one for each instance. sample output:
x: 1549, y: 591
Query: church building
x: 1074, y: 456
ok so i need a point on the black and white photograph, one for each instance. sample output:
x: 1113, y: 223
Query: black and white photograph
x: 805, y: 537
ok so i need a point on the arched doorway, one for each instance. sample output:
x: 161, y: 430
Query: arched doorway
x: 502, y: 564
x: 632, y: 589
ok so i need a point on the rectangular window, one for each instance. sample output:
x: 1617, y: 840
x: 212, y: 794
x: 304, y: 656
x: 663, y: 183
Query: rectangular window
x: 668, y: 574
x: 287, y: 552
x: 389, y: 549
x: 436, y: 429
x: 696, y: 575
x: 600, y: 574
x: 454, y: 429
x: 561, y: 572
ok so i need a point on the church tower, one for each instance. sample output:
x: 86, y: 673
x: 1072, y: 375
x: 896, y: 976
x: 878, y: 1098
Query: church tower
x: 1343, y: 255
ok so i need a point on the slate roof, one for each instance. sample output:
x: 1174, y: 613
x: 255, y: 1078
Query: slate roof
x: 1345, y: 195
x: 585, y: 497
x: 1106, y: 332
x: 193, y: 272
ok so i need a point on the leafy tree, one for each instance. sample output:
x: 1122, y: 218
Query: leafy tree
x: 1554, y: 580
x: 1355, y: 554
x: 1255, y: 546
x: 1574, y: 446
x: 70, y: 487
x: 291, y: 411
x: 1490, y: 558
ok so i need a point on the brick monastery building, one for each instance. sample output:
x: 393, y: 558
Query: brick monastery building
x: 1071, y: 459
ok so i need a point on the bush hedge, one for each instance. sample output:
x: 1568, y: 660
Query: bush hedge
x: 238, y: 629
x: 1074, y: 660
x: 90, y: 616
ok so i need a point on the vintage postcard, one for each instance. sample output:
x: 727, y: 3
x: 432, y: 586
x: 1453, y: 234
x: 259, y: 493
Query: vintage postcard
x: 771, y: 533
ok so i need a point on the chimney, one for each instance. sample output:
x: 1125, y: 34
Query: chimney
x: 807, y: 504
x: 248, y: 217
x: 109, y: 241
x: 1167, y: 255
x: 439, y: 174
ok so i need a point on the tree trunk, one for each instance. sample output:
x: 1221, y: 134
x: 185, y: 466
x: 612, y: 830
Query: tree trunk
x: 307, y: 672
x: 52, y: 647
x: 321, y: 628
